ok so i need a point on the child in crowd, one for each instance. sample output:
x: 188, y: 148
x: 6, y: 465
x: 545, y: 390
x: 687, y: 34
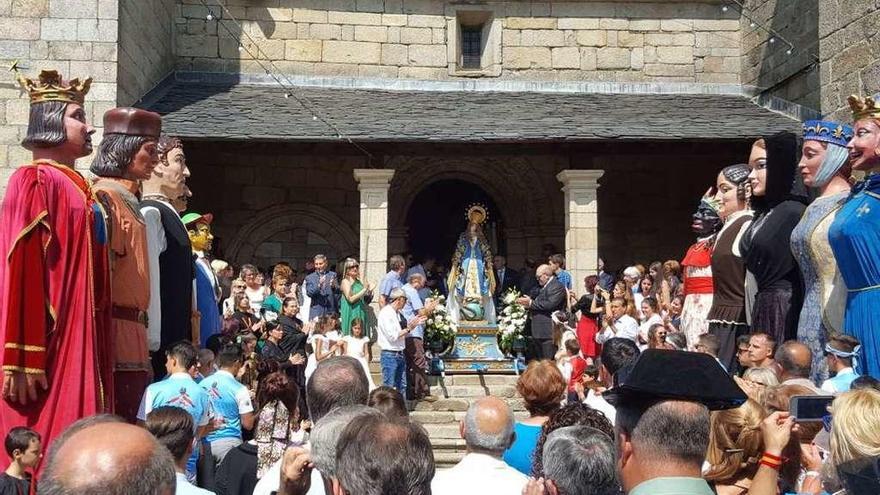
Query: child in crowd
x: 358, y: 346
x: 325, y: 343
x: 578, y: 364
x: 24, y: 448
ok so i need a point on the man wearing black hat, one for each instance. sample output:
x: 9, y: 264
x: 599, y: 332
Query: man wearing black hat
x: 663, y: 403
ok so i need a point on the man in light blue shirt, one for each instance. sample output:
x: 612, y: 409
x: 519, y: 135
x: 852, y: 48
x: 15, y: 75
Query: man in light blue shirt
x: 416, y: 365
x: 179, y: 389
x: 231, y: 403
x: 392, y: 280
x: 840, y: 354
x: 557, y: 264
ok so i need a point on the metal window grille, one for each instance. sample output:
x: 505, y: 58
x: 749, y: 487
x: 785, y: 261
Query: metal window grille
x: 471, y: 47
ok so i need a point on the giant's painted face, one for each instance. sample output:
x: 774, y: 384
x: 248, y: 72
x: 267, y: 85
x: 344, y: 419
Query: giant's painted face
x: 758, y: 164
x: 78, y: 131
x: 174, y: 173
x: 812, y: 156
x: 727, y: 195
x: 144, y: 162
x: 706, y: 220
x: 863, y: 148
x: 200, y: 237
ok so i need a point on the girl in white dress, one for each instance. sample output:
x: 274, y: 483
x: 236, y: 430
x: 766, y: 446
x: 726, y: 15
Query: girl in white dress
x: 650, y: 317
x: 358, y: 347
x: 322, y: 346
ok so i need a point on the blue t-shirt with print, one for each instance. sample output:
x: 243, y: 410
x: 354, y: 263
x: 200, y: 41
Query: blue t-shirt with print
x: 229, y: 401
x: 179, y: 390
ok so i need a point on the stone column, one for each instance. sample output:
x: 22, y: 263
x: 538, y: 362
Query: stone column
x: 373, y: 185
x: 581, y: 223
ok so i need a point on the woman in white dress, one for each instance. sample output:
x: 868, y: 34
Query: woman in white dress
x: 358, y: 347
x: 322, y: 346
x: 255, y: 290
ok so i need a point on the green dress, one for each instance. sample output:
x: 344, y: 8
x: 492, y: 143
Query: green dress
x: 351, y: 311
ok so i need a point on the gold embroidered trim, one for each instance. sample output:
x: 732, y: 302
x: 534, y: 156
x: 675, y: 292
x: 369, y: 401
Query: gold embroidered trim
x: 29, y: 371
x: 25, y: 231
x: 24, y: 347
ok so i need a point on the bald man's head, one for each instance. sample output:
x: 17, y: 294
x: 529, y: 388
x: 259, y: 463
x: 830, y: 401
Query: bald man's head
x: 488, y: 426
x: 107, y: 457
x: 795, y: 359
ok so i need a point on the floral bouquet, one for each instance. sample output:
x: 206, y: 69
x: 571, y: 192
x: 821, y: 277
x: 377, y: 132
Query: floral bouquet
x: 440, y: 329
x: 512, y: 320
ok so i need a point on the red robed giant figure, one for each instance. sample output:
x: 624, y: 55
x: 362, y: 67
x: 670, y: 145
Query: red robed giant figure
x: 54, y: 290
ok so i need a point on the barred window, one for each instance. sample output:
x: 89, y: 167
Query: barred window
x: 471, y: 47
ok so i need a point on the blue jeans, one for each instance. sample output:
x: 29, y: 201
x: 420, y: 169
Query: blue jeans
x: 393, y: 370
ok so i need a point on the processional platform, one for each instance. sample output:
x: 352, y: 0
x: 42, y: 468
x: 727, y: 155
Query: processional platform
x: 475, y: 351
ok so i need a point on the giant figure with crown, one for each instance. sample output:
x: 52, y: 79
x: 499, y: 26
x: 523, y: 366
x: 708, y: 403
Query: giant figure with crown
x: 855, y: 236
x: 54, y: 282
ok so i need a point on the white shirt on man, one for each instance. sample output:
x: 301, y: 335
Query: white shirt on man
x: 478, y: 473
x: 388, y: 330
x: 625, y: 327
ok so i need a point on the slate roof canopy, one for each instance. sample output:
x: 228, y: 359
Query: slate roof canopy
x: 224, y: 111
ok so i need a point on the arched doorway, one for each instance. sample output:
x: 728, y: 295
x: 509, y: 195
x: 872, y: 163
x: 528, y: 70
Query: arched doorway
x: 436, y: 218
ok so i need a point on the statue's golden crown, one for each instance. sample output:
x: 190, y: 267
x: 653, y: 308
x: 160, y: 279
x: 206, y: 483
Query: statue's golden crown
x: 863, y: 108
x: 50, y: 87
x: 479, y: 210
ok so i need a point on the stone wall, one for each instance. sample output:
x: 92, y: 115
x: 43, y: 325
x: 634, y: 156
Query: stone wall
x: 146, y: 46
x: 77, y: 38
x: 849, y: 50
x: 767, y: 64
x: 601, y: 41
x: 836, y: 53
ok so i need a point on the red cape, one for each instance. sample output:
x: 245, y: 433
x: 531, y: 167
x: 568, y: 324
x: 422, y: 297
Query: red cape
x: 53, y: 296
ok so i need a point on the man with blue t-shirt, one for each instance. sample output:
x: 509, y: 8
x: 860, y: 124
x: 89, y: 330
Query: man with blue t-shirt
x: 230, y: 401
x: 179, y: 389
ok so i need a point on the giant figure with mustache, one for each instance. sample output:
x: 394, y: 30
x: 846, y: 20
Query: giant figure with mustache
x: 170, y: 253
x: 126, y: 157
x: 54, y: 284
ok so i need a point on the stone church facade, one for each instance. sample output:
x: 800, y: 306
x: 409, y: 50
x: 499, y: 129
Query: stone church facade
x: 592, y: 126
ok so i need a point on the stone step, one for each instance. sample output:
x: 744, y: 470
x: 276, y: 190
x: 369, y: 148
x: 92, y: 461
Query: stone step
x: 448, y: 430
x: 446, y: 459
x: 451, y: 417
x: 460, y: 391
x: 461, y: 404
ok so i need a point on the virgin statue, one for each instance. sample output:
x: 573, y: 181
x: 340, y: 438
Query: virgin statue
x: 471, y: 278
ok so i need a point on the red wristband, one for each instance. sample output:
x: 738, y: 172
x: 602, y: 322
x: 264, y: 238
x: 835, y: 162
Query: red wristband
x: 771, y: 456
x: 770, y: 465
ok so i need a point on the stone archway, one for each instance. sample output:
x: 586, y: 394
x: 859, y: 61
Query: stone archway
x: 517, y: 184
x: 273, y: 222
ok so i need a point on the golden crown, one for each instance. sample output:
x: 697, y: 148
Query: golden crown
x: 863, y: 108
x: 50, y: 87
x: 477, y: 208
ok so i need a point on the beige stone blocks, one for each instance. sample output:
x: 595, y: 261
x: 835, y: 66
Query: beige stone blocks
x: 376, y: 34
x: 429, y: 21
x: 675, y: 54
x: 527, y: 57
x: 394, y: 20
x: 566, y: 58
x: 592, y: 38
x: 415, y: 36
x: 542, y: 37
x: 394, y: 55
x: 361, y: 18
x: 530, y: 23
x: 198, y: 46
x: 325, y: 32
x: 303, y: 50
x: 351, y: 52
x: 427, y: 55
x: 577, y: 24
x: 613, y: 58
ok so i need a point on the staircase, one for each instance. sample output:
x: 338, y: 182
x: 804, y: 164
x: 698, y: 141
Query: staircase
x: 455, y: 393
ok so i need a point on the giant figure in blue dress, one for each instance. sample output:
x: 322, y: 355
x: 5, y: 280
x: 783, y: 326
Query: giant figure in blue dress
x: 471, y: 278
x: 824, y: 166
x: 855, y: 236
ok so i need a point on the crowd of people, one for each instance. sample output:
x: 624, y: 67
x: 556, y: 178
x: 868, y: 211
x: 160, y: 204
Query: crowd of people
x: 749, y: 367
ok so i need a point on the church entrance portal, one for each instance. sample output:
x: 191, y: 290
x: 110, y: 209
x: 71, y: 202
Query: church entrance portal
x: 436, y: 218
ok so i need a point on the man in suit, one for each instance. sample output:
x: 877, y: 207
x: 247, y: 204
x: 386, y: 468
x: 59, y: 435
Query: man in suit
x: 550, y: 298
x: 322, y: 288
x: 505, y: 278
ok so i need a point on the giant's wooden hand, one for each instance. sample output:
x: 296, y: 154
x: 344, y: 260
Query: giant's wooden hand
x: 22, y: 387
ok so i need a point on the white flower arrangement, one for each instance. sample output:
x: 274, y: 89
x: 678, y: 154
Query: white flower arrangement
x: 439, y: 327
x: 512, y: 322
